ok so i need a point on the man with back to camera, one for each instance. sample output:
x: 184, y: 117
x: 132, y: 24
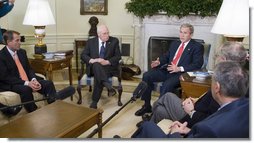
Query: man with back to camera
x: 229, y: 87
x: 16, y: 74
x: 183, y: 56
x: 102, y: 56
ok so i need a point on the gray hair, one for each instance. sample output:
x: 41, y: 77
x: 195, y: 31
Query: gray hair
x: 233, y: 51
x: 233, y: 79
x: 100, y: 27
x: 187, y: 25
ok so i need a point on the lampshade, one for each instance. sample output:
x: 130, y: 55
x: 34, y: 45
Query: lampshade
x: 233, y: 19
x: 38, y: 13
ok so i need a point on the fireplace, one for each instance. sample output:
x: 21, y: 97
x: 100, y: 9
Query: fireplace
x: 158, y: 46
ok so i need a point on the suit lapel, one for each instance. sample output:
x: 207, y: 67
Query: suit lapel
x: 108, y: 46
x: 10, y: 60
x: 97, y: 47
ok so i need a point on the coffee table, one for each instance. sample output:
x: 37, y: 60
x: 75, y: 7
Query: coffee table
x: 57, y: 120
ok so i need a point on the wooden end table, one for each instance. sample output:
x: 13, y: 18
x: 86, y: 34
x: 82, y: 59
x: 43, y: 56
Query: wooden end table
x: 47, y: 66
x: 57, y: 120
x: 194, y: 88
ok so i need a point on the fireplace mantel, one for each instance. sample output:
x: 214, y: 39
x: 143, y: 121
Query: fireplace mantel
x: 162, y: 25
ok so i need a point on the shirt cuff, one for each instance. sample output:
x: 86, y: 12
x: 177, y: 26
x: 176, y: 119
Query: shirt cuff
x: 191, y: 113
x: 33, y: 79
x: 26, y: 83
x: 182, y: 69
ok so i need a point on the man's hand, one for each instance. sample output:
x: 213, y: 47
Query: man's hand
x: 173, y: 68
x: 104, y: 62
x: 35, y: 85
x: 155, y: 63
x: 188, y: 105
x: 178, y: 127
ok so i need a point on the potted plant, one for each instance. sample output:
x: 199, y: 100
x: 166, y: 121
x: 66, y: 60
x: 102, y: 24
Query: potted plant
x: 180, y: 8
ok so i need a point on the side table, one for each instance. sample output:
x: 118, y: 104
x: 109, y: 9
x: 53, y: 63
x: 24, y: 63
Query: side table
x: 47, y: 66
x: 194, y: 88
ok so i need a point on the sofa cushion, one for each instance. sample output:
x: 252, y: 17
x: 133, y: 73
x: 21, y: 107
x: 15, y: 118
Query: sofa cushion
x: 9, y: 98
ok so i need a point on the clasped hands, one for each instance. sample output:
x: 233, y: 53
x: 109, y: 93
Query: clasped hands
x: 177, y: 127
x: 172, y: 68
x: 35, y: 85
x: 188, y: 104
x: 99, y: 60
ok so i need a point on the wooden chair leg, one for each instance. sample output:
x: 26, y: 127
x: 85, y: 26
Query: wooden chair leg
x: 90, y: 88
x: 120, y: 90
x: 79, y: 93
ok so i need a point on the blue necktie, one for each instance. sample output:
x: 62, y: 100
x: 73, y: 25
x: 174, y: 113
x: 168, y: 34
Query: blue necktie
x: 102, y: 51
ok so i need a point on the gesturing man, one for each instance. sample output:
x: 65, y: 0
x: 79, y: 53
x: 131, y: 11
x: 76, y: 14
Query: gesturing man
x: 183, y: 56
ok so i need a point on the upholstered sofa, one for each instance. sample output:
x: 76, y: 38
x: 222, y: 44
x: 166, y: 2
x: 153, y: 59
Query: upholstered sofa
x: 11, y: 98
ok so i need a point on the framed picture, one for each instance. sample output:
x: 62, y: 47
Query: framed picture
x: 96, y: 7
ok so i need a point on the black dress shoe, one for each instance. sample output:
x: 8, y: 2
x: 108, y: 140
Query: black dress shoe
x: 144, y: 110
x: 10, y: 111
x: 93, y: 105
x: 146, y: 117
x: 111, y: 92
x: 116, y: 136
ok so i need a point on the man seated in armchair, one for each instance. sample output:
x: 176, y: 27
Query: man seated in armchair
x: 102, y: 56
x: 17, y: 76
x: 183, y: 56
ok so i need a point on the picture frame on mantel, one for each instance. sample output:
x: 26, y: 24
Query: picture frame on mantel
x: 93, y: 7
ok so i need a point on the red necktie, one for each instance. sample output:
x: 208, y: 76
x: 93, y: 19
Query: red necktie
x: 179, y: 53
x: 22, y: 72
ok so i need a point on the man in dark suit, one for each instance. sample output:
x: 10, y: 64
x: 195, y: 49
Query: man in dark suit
x: 102, y: 56
x: 17, y: 76
x: 229, y: 87
x: 194, y: 110
x: 183, y: 56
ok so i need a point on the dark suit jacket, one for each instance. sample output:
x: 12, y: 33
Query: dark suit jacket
x: 112, y: 52
x: 191, y: 59
x: 232, y: 121
x: 9, y: 74
x: 204, y: 107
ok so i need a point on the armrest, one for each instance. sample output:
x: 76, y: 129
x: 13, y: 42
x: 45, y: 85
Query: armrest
x: 40, y: 76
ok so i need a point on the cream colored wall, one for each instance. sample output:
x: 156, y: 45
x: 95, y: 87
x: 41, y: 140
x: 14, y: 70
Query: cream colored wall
x: 70, y: 24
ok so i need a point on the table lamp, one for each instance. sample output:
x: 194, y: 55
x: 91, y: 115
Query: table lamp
x: 38, y: 14
x: 233, y: 20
